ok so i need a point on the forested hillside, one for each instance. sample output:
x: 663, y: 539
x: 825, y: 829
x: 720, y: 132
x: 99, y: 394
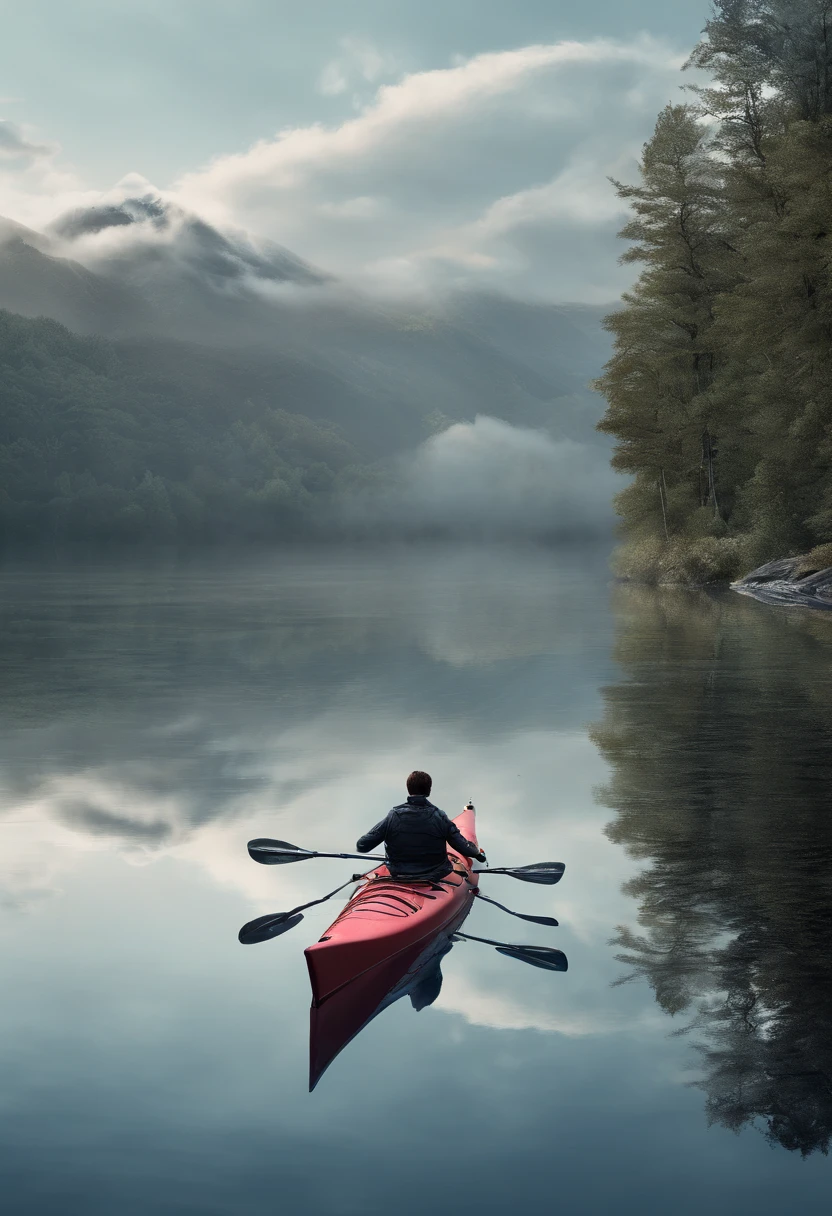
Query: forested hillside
x: 383, y: 369
x: 100, y: 441
x: 209, y: 387
x: 719, y: 390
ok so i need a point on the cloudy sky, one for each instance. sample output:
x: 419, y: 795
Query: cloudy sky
x: 404, y: 144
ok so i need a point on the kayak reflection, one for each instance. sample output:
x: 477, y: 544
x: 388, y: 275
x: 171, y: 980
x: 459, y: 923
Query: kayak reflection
x: 337, y: 1020
x: 334, y: 1023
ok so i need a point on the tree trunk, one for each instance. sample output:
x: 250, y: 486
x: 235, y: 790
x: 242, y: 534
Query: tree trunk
x: 663, y: 500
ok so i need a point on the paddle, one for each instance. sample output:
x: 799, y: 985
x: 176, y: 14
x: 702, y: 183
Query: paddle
x: 546, y: 873
x: 536, y: 956
x: 535, y: 920
x: 280, y: 852
x: 264, y: 928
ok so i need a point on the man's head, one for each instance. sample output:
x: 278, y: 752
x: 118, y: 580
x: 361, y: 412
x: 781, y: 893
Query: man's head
x: 419, y: 783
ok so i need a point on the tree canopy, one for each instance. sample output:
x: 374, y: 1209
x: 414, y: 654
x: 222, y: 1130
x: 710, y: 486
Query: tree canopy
x: 719, y: 389
x: 97, y: 443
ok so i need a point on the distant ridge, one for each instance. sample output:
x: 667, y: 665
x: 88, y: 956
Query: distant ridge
x: 165, y: 283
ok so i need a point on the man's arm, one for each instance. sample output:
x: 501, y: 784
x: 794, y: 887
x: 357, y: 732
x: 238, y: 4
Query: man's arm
x: 458, y: 842
x: 374, y: 837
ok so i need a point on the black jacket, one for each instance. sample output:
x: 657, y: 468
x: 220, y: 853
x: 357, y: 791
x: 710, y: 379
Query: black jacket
x: 416, y: 836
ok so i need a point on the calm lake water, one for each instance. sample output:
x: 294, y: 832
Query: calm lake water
x: 673, y: 748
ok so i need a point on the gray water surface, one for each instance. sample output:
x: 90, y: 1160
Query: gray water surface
x: 673, y: 748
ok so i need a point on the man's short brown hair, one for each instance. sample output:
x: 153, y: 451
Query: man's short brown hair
x: 419, y: 783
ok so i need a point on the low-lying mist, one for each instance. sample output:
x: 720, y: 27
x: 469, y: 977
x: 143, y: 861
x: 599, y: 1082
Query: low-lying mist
x: 210, y: 387
x: 488, y: 479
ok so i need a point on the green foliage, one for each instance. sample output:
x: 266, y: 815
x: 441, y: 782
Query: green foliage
x: 819, y: 558
x: 719, y: 390
x: 695, y: 561
x: 92, y: 448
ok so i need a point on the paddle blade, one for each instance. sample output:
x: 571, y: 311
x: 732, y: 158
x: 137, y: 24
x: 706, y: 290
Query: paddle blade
x: 264, y: 928
x: 276, y: 852
x: 545, y: 873
x: 537, y: 956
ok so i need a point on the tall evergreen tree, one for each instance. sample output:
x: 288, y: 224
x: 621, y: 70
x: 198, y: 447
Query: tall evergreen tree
x: 779, y: 45
x: 658, y: 382
x: 760, y: 296
x: 775, y: 328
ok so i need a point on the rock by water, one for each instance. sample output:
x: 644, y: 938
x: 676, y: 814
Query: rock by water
x: 790, y: 581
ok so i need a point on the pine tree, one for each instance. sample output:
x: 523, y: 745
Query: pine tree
x: 782, y: 46
x: 772, y: 93
x: 720, y: 387
x: 776, y: 330
x: 658, y: 382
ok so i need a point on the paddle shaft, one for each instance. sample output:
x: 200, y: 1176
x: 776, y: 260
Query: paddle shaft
x: 469, y: 937
x: 535, y: 920
x: 261, y: 924
x: 545, y: 957
x: 307, y: 854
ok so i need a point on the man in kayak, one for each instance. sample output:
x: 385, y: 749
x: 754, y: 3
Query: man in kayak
x: 416, y: 835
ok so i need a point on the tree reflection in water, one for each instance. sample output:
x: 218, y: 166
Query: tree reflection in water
x: 719, y: 737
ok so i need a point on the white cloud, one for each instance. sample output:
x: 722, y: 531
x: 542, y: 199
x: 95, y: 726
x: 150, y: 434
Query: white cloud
x: 486, y: 1004
x: 448, y: 94
x: 363, y: 207
x: 490, y: 172
x: 333, y: 80
x: 487, y: 168
x: 359, y: 60
x: 575, y: 194
x: 15, y: 143
x: 34, y: 186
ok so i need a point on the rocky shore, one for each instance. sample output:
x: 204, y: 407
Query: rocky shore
x: 795, y: 581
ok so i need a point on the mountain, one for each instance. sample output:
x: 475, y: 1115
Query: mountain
x: 36, y: 282
x: 163, y: 379
x: 215, y: 255
x: 146, y: 273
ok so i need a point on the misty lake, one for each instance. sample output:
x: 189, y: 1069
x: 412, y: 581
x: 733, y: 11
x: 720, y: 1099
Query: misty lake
x: 673, y: 748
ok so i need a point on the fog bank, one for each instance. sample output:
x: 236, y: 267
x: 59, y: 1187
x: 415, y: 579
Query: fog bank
x: 489, y: 479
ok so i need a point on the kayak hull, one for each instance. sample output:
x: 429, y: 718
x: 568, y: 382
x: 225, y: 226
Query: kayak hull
x: 335, y: 1022
x: 384, y: 939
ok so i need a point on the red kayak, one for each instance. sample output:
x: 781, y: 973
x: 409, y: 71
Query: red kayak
x: 390, y: 934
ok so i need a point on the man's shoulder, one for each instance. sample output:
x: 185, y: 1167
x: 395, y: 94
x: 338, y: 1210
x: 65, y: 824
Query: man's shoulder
x: 426, y: 807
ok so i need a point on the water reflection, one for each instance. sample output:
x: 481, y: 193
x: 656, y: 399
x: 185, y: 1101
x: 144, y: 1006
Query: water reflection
x: 169, y: 712
x: 719, y: 736
x: 139, y: 703
x: 154, y: 718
